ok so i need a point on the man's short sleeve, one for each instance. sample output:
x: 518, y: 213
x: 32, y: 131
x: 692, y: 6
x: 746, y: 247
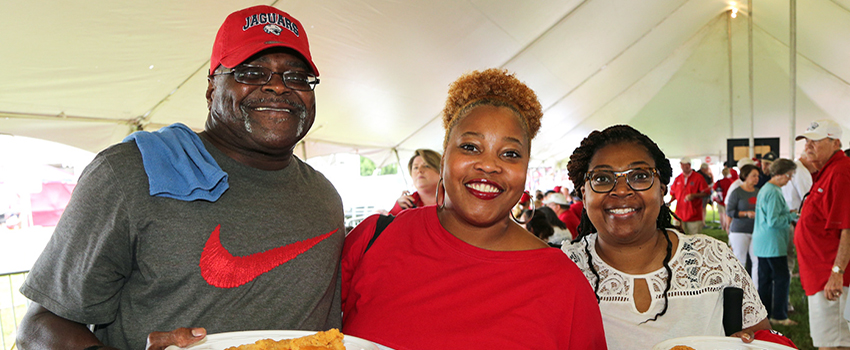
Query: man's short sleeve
x: 837, y: 200
x: 674, y: 188
x: 80, y: 273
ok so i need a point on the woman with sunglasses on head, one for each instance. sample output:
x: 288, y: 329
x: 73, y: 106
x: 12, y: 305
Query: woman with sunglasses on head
x: 652, y: 282
x: 463, y: 274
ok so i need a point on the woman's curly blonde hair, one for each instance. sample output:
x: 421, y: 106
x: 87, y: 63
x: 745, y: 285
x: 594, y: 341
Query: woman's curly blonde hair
x: 495, y: 87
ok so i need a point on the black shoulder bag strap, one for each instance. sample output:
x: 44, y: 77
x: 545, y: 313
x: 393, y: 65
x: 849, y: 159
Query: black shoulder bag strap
x: 383, y: 222
x: 733, y: 308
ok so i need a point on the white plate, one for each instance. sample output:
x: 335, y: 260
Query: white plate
x: 718, y: 343
x: 221, y: 341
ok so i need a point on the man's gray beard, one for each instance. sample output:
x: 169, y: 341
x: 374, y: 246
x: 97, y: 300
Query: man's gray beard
x: 299, y: 112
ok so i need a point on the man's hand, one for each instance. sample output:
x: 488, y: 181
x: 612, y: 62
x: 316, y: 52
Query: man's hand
x: 688, y: 197
x: 834, y: 286
x: 181, y: 337
x: 405, y: 201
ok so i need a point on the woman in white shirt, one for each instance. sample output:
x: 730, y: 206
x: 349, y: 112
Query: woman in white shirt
x: 628, y: 249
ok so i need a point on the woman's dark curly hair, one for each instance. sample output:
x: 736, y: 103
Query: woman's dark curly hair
x: 578, y: 168
x: 494, y: 87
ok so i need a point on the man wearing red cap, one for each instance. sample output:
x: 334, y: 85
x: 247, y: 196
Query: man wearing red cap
x: 822, y: 236
x: 223, y: 230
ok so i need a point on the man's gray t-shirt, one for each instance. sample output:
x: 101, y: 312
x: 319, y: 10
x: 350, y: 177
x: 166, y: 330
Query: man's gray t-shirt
x: 131, y: 264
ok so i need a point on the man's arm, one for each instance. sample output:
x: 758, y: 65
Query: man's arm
x: 42, y: 329
x: 702, y: 190
x: 834, y: 286
x: 697, y: 195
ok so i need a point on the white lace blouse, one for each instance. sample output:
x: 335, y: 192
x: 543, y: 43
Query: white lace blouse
x: 702, y: 267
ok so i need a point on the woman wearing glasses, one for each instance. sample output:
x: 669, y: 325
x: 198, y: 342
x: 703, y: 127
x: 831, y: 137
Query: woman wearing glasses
x: 652, y: 282
x: 463, y: 274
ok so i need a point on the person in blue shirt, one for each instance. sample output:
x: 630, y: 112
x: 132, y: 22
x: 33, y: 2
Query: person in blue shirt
x: 771, y: 235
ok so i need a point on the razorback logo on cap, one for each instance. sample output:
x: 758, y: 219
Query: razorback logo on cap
x: 813, y: 126
x: 274, y: 23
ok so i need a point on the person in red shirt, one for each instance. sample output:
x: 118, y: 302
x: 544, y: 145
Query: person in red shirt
x: 721, y: 188
x: 577, y: 207
x: 424, y: 168
x: 822, y: 235
x: 463, y: 274
x: 688, y: 190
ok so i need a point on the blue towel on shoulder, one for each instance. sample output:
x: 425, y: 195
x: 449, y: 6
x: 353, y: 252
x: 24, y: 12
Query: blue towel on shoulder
x: 178, y: 165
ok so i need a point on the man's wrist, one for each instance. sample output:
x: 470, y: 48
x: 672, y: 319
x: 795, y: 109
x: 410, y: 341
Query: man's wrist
x: 838, y: 270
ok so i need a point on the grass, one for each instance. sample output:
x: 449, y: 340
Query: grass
x: 799, y: 334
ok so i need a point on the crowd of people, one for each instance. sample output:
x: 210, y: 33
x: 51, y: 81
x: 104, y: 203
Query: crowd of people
x: 172, y: 235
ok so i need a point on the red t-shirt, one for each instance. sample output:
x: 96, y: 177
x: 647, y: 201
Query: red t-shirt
x: 723, y: 185
x: 571, y: 220
x: 420, y: 287
x: 417, y: 203
x: 688, y: 210
x: 576, y: 208
x: 825, y: 212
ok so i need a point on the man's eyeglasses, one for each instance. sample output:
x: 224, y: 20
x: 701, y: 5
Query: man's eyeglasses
x: 604, y: 181
x: 256, y: 75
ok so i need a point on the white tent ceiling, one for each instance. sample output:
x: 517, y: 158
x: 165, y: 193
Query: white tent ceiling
x: 86, y: 72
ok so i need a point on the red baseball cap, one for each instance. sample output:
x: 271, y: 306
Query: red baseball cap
x: 254, y: 29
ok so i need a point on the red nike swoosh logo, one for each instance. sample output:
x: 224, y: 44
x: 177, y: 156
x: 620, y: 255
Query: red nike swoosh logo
x: 221, y: 269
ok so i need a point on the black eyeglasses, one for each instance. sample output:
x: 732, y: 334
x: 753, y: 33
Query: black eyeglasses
x: 604, y: 181
x: 256, y: 75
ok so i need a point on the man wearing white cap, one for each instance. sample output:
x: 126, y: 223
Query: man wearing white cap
x: 559, y: 204
x: 687, y: 190
x: 822, y: 236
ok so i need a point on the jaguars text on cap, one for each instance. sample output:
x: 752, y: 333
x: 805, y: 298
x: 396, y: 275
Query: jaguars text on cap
x: 274, y: 23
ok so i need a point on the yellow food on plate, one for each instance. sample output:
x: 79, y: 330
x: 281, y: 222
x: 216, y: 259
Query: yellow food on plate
x: 682, y: 347
x: 329, y: 340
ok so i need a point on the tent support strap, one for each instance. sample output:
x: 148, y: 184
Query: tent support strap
x: 793, y: 77
x: 731, y: 89
x: 752, y: 100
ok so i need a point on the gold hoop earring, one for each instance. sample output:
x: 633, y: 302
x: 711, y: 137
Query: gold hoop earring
x: 533, y: 209
x: 440, y: 186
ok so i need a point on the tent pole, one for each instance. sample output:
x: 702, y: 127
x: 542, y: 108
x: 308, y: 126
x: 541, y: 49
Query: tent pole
x: 750, y: 44
x: 731, y: 92
x: 793, y: 71
x: 398, y: 161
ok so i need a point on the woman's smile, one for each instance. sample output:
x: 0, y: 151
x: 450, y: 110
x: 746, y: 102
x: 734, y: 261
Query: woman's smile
x: 484, y: 189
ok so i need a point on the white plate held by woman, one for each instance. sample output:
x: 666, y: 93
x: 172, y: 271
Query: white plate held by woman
x: 718, y: 343
x: 221, y: 341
